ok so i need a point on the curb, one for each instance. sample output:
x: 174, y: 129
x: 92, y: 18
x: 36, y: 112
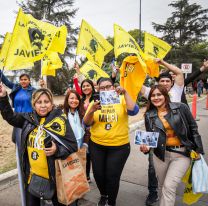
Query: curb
x: 8, y: 178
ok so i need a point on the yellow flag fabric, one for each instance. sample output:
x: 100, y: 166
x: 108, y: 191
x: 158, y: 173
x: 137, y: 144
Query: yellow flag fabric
x: 50, y: 63
x: 59, y: 41
x: 132, y: 75
x: 125, y: 43
x: 31, y: 39
x: 152, y: 67
x: 92, y: 44
x: 189, y: 197
x: 155, y: 47
x: 93, y: 71
x: 5, y: 48
x: 46, y: 72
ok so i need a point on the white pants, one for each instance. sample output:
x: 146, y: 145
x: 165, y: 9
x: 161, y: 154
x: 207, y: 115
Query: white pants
x: 169, y: 175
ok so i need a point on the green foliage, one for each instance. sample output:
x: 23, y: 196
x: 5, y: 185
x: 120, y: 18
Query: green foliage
x: 186, y: 31
x: 57, y: 12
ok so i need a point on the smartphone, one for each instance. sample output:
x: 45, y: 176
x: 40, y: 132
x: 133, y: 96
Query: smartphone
x: 48, y: 141
x: 96, y: 96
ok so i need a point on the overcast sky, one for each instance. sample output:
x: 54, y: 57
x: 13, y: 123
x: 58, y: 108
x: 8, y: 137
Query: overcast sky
x: 102, y: 14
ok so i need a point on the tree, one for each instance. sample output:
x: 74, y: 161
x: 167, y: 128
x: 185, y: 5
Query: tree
x: 57, y: 12
x: 187, y: 25
x: 186, y: 28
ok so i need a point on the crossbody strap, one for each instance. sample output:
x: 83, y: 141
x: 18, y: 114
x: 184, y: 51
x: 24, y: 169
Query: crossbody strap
x: 56, y: 138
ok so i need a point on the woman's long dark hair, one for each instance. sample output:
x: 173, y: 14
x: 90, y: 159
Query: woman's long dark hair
x: 93, y: 89
x: 66, y: 104
x: 163, y: 91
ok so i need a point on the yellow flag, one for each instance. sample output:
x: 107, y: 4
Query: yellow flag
x: 50, y: 63
x: 92, y: 44
x: 4, y: 49
x: 125, y: 43
x: 48, y: 72
x: 31, y: 39
x: 59, y: 41
x: 155, y: 47
x: 93, y: 71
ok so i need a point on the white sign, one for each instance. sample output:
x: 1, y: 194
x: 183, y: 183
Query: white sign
x: 147, y: 138
x: 186, y: 68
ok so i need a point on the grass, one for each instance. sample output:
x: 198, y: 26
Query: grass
x: 10, y: 166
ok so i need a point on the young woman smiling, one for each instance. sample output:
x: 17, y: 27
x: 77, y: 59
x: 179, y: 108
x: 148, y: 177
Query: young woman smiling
x: 178, y: 136
x: 72, y: 108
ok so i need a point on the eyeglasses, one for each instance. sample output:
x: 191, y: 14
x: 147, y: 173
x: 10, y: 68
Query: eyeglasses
x: 107, y: 87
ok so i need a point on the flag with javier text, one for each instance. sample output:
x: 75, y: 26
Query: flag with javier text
x: 31, y: 39
x: 125, y: 43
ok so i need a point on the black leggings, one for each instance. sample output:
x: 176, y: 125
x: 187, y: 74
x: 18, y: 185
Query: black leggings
x: 107, y: 164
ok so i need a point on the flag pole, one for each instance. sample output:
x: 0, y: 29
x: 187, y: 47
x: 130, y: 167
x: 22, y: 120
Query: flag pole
x: 140, y: 24
x: 44, y: 77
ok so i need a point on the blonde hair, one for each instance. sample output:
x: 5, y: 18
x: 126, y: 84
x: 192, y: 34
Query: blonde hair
x: 39, y: 92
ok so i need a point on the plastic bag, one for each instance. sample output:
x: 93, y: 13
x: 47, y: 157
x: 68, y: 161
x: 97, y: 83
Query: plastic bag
x: 200, y: 176
x: 189, y: 197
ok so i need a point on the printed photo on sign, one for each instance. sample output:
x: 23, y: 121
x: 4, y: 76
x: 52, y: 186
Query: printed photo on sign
x: 147, y: 138
x: 109, y: 97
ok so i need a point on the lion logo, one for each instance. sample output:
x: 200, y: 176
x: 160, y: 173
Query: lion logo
x: 94, y: 45
x: 36, y: 37
x: 92, y: 74
x: 155, y: 50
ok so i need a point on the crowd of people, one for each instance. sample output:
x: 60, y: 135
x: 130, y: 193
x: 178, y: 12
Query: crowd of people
x: 101, y: 130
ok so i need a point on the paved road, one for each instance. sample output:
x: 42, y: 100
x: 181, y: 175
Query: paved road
x: 133, y: 188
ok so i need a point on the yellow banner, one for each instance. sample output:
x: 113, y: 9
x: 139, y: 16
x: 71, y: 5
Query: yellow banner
x: 48, y: 72
x: 59, y: 41
x: 125, y: 43
x: 31, y: 38
x: 93, y: 71
x: 92, y: 44
x: 155, y: 47
x: 50, y: 63
x: 5, y: 48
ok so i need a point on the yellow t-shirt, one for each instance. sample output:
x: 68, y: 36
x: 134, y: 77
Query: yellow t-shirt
x: 172, y: 139
x: 110, y: 126
x: 36, y: 154
x: 132, y: 75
